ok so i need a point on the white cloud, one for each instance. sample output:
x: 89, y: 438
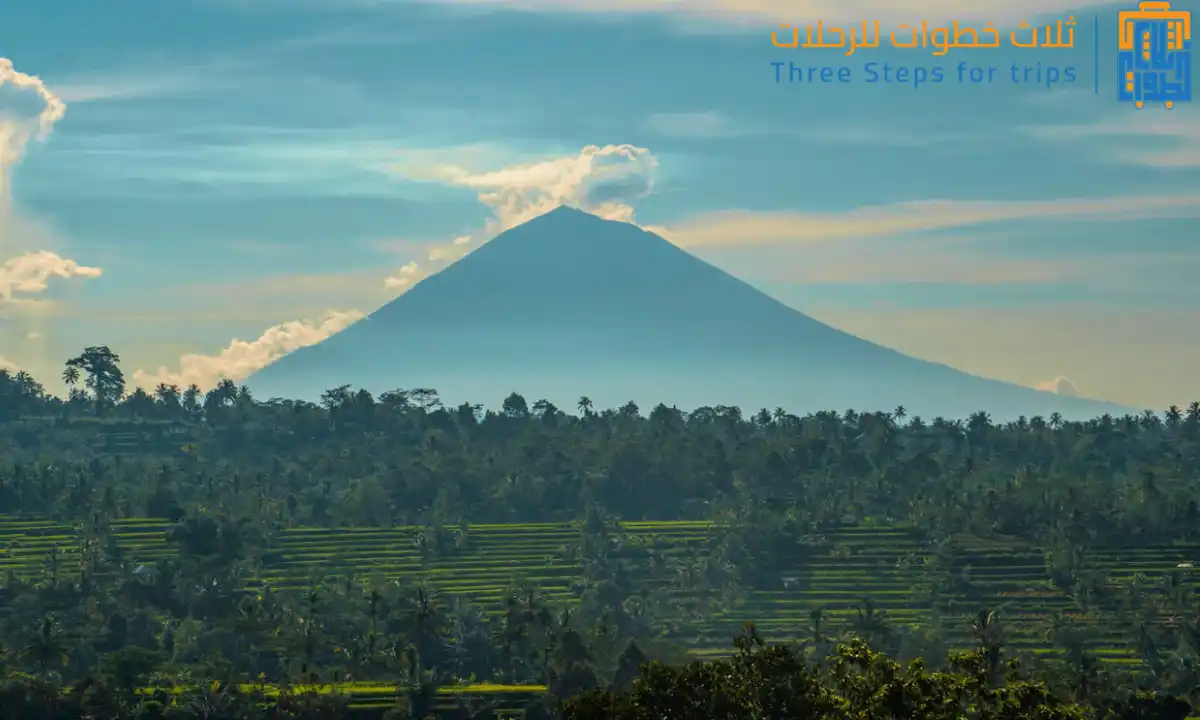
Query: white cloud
x: 1059, y: 386
x: 739, y: 227
x: 16, y: 132
x: 601, y: 180
x: 53, y: 108
x: 757, y: 12
x: 1177, y: 131
x: 241, y: 358
x: 31, y: 272
x: 408, y: 275
x: 598, y: 178
x: 938, y: 259
x: 9, y: 365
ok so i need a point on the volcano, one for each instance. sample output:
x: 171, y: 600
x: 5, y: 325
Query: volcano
x: 570, y: 305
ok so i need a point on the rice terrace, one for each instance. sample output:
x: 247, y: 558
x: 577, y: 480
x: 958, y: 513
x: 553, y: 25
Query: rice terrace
x: 866, y: 578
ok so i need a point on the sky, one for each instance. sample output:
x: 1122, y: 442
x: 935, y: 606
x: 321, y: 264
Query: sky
x: 205, y: 185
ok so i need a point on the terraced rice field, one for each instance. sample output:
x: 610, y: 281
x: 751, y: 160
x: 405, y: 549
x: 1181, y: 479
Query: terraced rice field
x: 369, y: 699
x: 865, y: 563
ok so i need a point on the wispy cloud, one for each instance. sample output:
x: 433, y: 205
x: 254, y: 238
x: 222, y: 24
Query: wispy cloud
x: 105, y: 88
x: 230, y: 158
x: 1124, y: 138
x: 881, y: 261
x: 966, y: 260
x: 737, y: 227
x: 241, y: 358
x: 156, y: 76
x: 233, y: 159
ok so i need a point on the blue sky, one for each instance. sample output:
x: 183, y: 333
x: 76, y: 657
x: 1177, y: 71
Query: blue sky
x: 233, y: 179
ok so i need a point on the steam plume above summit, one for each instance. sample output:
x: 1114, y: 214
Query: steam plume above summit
x: 603, y: 181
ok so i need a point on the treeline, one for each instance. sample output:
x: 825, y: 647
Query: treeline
x: 403, y: 458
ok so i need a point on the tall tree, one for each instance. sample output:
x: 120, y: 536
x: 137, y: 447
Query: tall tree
x: 103, y: 376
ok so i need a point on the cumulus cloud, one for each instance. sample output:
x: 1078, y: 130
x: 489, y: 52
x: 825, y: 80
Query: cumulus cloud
x: 1059, y: 386
x: 241, y: 358
x: 600, y: 180
x: 31, y: 273
x: 15, y: 132
x: 408, y: 275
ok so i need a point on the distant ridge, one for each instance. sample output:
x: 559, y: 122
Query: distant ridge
x: 569, y: 305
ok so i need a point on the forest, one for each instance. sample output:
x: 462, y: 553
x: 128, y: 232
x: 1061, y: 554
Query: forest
x: 185, y: 554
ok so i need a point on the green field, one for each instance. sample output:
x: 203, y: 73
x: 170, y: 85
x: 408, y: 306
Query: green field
x: 487, y: 560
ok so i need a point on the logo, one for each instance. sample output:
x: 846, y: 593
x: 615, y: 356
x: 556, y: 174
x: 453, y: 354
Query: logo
x: 1154, y: 55
x: 1024, y: 69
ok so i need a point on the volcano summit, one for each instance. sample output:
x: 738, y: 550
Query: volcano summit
x: 570, y: 305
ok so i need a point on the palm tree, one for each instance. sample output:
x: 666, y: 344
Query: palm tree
x: 986, y: 630
x: 585, y: 406
x: 225, y: 393
x: 70, y: 376
x: 46, y: 647
x: 167, y: 395
x: 816, y: 617
x: 871, y: 624
x: 191, y: 398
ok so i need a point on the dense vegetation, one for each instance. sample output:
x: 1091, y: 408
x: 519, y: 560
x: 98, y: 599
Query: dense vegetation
x: 365, y: 554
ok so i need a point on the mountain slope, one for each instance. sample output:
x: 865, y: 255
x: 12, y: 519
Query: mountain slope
x: 569, y: 304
